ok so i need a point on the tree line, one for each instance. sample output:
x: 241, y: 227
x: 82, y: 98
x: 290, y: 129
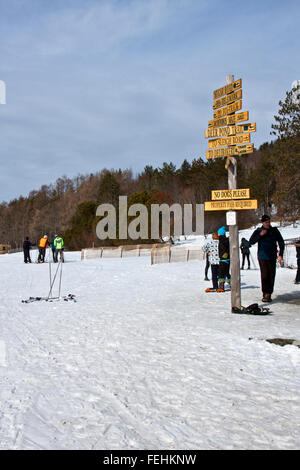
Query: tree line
x: 68, y: 206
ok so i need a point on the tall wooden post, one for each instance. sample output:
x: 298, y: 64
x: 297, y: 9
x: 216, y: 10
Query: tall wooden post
x: 234, y: 233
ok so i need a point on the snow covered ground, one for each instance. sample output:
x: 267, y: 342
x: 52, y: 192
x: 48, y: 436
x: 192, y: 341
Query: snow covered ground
x: 145, y: 359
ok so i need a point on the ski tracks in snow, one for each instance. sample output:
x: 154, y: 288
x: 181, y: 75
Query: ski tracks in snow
x: 143, y: 360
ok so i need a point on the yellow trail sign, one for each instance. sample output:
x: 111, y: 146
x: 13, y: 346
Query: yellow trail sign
x: 229, y: 130
x: 244, y: 116
x: 231, y: 108
x: 225, y: 152
x: 234, y: 140
x: 232, y: 205
x: 237, y: 95
x: 224, y: 90
x: 218, y: 194
x: 229, y: 120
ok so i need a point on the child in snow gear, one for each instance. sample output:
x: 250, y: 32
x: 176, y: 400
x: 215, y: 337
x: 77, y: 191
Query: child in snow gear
x: 59, y: 247
x: 224, y: 255
x: 267, y: 238
x: 43, y: 243
x: 245, y: 249
x: 26, y: 250
x: 297, y: 245
x: 211, y: 248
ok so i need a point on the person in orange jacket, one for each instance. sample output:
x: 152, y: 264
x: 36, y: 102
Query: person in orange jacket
x: 43, y: 243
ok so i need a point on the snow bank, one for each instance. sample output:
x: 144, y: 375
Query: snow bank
x: 145, y: 359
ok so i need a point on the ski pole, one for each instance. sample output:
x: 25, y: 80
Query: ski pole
x: 51, y: 287
x: 50, y: 276
x: 60, y: 279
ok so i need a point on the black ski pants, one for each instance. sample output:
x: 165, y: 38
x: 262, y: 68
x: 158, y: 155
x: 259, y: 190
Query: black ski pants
x: 224, y: 270
x: 42, y: 253
x: 215, y: 275
x: 267, y: 274
x: 59, y: 254
x: 246, y: 255
x: 27, y: 258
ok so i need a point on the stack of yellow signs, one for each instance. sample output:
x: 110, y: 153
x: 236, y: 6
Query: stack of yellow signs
x: 229, y: 136
x: 230, y: 200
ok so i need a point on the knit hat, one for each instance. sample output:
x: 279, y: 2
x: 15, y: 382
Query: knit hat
x: 222, y: 230
x: 264, y: 218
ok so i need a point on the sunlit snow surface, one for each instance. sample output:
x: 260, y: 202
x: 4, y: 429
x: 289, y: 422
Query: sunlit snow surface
x: 145, y: 359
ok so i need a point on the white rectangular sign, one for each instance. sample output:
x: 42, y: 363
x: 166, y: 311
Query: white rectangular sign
x: 2, y: 92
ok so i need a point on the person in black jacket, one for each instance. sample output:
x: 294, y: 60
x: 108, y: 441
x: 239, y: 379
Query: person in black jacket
x: 26, y: 250
x: 267, y: 238
x: 245, y: 249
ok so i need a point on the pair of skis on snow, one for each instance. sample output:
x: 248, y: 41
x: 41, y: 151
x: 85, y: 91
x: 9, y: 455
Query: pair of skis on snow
x: 67, y: 298
x: 253, y: 309
x: 57, y: 276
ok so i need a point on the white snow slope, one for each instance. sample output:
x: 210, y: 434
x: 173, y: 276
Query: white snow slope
x: 145, y: 359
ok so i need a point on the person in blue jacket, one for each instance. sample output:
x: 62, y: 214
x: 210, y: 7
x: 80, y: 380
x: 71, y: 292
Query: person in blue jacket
x: 53, y: 248
x: 267, y: 238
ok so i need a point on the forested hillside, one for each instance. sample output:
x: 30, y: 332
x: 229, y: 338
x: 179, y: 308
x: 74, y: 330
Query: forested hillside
x: 69, y: 205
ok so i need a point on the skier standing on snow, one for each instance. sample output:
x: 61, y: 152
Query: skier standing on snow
x: 43, y: 243
x: 59, y: 248
x: 245, y: 249
x: 211, y: 248
x: 297, y: 245
x: 53, y: 247
x: 224, y: 255
x: 267, y: 238
x: 26, y: 250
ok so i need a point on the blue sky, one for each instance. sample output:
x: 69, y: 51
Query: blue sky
x: 126, y: 83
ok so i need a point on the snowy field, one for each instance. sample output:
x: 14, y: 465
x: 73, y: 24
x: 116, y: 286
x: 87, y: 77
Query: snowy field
x: 145, y: 359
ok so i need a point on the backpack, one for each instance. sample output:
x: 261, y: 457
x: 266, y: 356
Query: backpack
x: 245, y: 247
x: 43, y: 242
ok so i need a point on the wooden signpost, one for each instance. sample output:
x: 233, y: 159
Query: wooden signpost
x: 232, y: 205
x: 219, y: 194
x: 234, y: 140
x: 230, y: 130
x: 228, y: 99
x: 229, y: 120
x: 231, y: 108
x: 229, y: 88
x: 227, y: 151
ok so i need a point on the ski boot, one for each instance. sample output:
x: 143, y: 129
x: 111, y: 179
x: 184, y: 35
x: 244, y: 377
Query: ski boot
x: 221, y: 286
x: 266, y: 298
